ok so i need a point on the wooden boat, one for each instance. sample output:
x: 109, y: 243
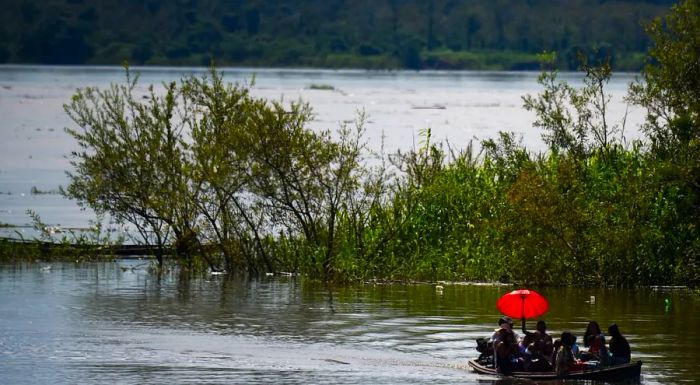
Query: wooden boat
x: 607, y: 373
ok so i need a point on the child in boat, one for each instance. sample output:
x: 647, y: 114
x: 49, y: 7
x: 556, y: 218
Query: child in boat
x: 603, y: 355
x: 533, y: 358
x: 565, y: 360
x: 556, y: 345
x: 575, y: 349
x: 597, y: 351
x: 619, y: 347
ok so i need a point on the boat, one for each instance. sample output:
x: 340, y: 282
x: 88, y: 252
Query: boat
x: 607, y: 373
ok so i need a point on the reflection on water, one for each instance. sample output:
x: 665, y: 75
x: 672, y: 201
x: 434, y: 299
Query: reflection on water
x: 115, y: 322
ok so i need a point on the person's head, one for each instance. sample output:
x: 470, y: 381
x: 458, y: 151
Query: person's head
x: 506, y: 335
x: 528, y: 339
x: 573, y: 339
x: 566, y: 339
x: 541, y: 326
x: 593, y: 328
x: 614, y: 331
x: 505, y: 323
x: 557, y: 344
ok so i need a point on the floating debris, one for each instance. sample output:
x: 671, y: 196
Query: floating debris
x: 36, y: 191
x: 322, y: 87
x: 430, y: 107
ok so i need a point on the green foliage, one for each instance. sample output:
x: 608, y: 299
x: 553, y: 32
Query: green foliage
x: 131, y: 162
x: 208, y: 169
x: 670, y: 92
x: 409, y: 34
x: 575, y: 120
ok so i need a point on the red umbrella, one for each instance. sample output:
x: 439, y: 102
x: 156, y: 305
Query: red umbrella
x: 522, y: 304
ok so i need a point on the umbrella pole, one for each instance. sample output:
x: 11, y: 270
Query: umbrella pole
x: 523, y: 314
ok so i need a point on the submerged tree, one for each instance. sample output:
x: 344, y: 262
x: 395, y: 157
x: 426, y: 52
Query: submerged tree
x: 210, y: 171
x: 131, y: 154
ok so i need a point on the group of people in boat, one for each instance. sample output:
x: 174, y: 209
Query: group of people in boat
x: 538, y: 352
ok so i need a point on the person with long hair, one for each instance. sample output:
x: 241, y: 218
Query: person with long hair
x: 592, y: 330
x: 619, y: 347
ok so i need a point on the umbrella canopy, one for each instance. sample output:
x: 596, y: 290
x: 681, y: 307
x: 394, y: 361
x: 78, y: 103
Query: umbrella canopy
x: 522, y: 304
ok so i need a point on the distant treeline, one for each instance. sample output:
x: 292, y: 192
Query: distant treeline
x: 414, y: 34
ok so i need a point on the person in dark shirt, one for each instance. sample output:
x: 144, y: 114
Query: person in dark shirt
x: 618, y: 346
x: 506, y: 351
x: 544, y: 338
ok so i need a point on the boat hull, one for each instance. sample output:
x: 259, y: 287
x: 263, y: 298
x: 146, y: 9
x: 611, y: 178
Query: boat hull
x: 608, y: 373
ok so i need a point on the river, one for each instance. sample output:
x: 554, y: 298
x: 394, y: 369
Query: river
x: 116, y: 323
x: 459, y: 107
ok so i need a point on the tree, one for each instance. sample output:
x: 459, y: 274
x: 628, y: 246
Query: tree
x: 670, y: 93
x: 670, y: 90
x: 232, y: 218
x: 575, y: 120
x: 211, y: 172
x: 129, y: 154
x: 305, y: 178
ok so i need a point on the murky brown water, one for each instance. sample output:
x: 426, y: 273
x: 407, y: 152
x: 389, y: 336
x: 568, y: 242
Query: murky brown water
x: 116, y: 323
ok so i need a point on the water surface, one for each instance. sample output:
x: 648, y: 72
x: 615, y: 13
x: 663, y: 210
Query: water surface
x: 68, y: 323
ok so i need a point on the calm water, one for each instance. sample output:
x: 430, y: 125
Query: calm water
x: 116, y: 323
x: 470, y: 106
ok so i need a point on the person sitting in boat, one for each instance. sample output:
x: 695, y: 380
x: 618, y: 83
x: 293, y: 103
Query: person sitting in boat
x: 546, y: 340
x: 597, y: 351
x: 504, y: 322
x: 487, y: 348
x: 619, y: 347
x: 507, y: 351
x: 556, y: 345
x: 589, y: 337
x: 533, y: 358
x: 525, y: 342
x: 575, y: 349
x: 565, y: 360
x: 592, y: 329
